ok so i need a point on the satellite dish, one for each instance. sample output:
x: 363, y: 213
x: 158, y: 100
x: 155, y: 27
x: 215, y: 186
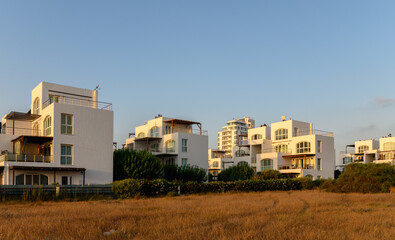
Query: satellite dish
x: 282, y: 118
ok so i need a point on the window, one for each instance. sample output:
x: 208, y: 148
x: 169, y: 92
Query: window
x: 43, y: 180
x: 319, y: 164
x: 64, y: 180
x: 296, y: 132
x: 36, y: 129
x: 362, y: 149
x: 168, y: 129
x: 155, y: 147
x: 170, y: 161
x: 389, y: 156
x: 66, y: 157
x: 282, y: 148
x: 155, y: 132
x: 242, y: 163
x: 303, y: 147
x: 20, y: 179
x: 184, y: 145
x: 184, y: 161
x: 256, y: 137
x: 266, y: 164
x: 170, y: 146
x: 36, y: 106
x: 389, y: 146
x: 66, y: 124
x: 31, y: 179
x: 54, y: 98
x: 141, y: 135
x: 319, y: 146
x: 281, y: 134
x: 47, y: 125
x: 347, y: 160
x: 240, y: 153
x: 215, y: 164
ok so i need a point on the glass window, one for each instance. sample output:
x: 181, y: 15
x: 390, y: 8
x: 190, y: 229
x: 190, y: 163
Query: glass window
x: 36, y: 129
x: 281, y: 134
x: 319, y: 164
x: 20, y: 179
x: 168, y: 129
x: 66, y: 157
x: 66, y: 124
x: 215, y: 164
x: 170, y: 161
x: 170, y: 146
x: 47, y: 125
x: 43, y: 180
x: 155, y: 147
x: 319, y: 146
x: 242, y: 163
x: 29, y: 180
x: 362, y: 149
x: 240, y: 153
x: 141, y: 135
x: 256, y: 137
x: 303, y: 147
x: 266, y: 164
x: 390, y: 146
x: 282, y: 148
x: 184, y: 161
x: 155, y: 132
x: 184, y: 145
x: 296, y: 132
x: 389, y: 156
x: 36, y: 106
x: 347, y: 160
x: 64, y: 180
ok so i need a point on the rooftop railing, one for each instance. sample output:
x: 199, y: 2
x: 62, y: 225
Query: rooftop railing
x: 77, y: 102
x: 26, y: 158
x: 314, y: 132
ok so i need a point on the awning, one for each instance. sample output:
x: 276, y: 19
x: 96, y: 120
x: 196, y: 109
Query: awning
x: 19, y: 116
x: 33, y: 139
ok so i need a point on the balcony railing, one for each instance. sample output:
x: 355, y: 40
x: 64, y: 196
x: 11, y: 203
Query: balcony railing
x: 26, y: 158
x: 185, y: 130
x: 314, y: 132
x: 77, y: 102
x: 21, y: 131
x: 307, y: 166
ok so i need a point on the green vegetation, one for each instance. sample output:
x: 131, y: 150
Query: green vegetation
x: 235, y: 173
x: 268, y: 174
x: 184, y: 173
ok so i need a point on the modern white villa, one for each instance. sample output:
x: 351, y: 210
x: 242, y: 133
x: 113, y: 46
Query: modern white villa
x: 233, y: 132
x: 173, y: 141
x: 66, y: 137
x: 369, y: 151
x: 292, y: 147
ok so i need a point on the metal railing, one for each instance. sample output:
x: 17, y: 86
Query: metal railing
x: 21, y: 131
x: 77, y: 102
x: 307, y: 166
x: 313, y: 132
x: 271, y: 150
x: 186, y: 130
x: 26, y: 158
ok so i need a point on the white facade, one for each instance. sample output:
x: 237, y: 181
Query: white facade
x: 369, y: 151
x: 292, y: 147
x: 217, y: 161
x: 65, y: 138
x: 173, y: 141
x: 233, y: 133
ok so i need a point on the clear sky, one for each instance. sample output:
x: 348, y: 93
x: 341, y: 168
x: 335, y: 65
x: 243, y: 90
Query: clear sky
x: 327, y: 62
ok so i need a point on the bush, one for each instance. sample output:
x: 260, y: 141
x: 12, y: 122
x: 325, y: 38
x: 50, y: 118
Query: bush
x: 129, y: 188
x: 268, y: 174
x: 363, y: 178
x: 142, y: 165
x: 235, y: 173
x: 184, y: 173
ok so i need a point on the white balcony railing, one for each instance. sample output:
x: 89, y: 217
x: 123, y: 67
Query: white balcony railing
x: 26, y: 158
x: 77, y: 102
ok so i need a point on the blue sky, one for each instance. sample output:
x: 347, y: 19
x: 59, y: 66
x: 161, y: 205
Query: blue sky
x: 327, y: 62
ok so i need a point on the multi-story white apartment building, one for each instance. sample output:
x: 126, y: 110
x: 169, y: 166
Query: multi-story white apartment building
x: 232, y: 133
x: 66, y: 137
x: 217, y: 160
x: 292, y: 147
x: 369, y: 151
x: 173, y: 141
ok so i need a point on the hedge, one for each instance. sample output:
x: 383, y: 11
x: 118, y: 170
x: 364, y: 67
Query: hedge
x: 128, y: 188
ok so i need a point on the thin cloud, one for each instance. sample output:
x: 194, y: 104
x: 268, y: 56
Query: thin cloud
x: 384, y: 102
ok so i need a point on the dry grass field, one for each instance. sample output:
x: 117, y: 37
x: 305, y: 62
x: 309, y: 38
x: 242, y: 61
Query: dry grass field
x: 268, y: 215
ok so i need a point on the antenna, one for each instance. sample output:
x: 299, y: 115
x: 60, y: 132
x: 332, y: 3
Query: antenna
x: 97, y: 87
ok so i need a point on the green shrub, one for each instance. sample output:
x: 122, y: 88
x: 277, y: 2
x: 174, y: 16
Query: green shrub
x: 235, y: 173
x: 268, y: 174
x: 127, y: 188
x: 363, y: 178
x: 142, y: 165
x: 307, y: 183
x: 185, y: 173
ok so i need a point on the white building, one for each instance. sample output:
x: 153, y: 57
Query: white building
x: 292, y: 147
x: 217, y: 160
x: 232, y: 133
x: 66, y: 137
x: 173, y: 141
x: 369, y: 151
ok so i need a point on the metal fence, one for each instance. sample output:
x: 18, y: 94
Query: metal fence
x: 20, y: 190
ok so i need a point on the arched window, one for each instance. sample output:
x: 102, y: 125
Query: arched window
x: 47, y: 125
x: 215, y: 164
x: 363, y: 148
x: 303, y: 147
x: 281, y: 134
x: 282, y: 148
x: 242, y: 163
x: 36, y: 106
x: 36, y: 129
x: 266, y: 164
x: 240, y: 153
x: 170, y: 146
x: 155, y: 132
x: 256, y: 137
x: 141, y: 135
x: 389, y: 146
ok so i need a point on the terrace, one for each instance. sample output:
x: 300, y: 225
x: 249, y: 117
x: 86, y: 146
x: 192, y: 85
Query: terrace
x: 31, y: 158
x: 77, y: 102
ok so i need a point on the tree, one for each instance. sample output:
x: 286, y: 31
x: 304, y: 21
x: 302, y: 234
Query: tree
x: 234, y: 173
x: 142, y: 165
x: 119, y: 157
x: 184, y: 173
x: 268, y: 174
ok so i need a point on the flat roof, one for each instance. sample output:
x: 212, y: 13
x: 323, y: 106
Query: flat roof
x: 180, y: 121
x: 20, y: 116
x: 65, y: 169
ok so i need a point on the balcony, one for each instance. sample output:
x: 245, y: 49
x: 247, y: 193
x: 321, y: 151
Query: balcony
x: 21, y: 131
x: 11, y: 157
x: 313, y: 132
x: 286, y: 167
x: 77, y: 102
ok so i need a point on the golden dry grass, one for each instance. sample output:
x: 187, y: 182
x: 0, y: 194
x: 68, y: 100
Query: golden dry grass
x: 268, y: 215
